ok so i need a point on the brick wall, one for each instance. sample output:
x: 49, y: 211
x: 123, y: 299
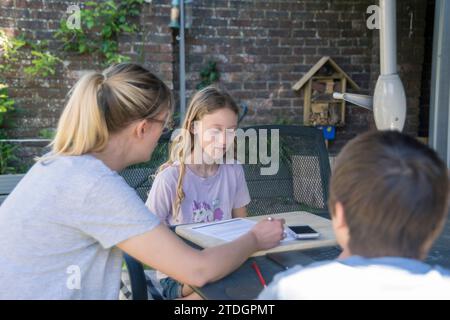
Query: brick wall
x: 41, y: 100
x: 262, y: 48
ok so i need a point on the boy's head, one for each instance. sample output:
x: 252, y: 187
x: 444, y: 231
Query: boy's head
x: 388, y: 196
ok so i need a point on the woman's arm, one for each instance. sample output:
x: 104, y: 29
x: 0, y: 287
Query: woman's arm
x: 239, y: 212
x: 161, y: 249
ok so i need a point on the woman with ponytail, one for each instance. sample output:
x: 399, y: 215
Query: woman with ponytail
x: 65, y: 225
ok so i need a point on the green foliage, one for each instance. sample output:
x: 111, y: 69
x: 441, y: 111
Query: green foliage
x: 209, y: 74
x: 101, y: 24
x: 42, y: 64
x: 6, y: 106
x: 282, y: 121
x: 7, y: 157
x: 47, y: 133
x: 14, y: 49
x: 9, y: 51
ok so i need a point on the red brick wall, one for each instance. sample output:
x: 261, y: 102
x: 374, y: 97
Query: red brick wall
x: 41, y: 100
x: 262, y: 49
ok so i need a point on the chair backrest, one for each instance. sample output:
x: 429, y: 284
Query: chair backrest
x: 301, y: 182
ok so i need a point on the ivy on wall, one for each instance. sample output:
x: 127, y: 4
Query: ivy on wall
x: 101, y: 24
x: 209, y: 74
x: 9, y: 52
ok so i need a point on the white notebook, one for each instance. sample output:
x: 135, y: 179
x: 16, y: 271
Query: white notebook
x: 229, y: 230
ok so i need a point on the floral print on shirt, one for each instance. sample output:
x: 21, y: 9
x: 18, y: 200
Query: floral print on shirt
x: 202, y: 211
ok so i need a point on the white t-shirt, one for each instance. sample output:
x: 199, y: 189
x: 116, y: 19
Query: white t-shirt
x: 358, y: 278
x: 59, y: 228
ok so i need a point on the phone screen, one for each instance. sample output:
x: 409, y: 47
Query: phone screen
x: 302, y: 229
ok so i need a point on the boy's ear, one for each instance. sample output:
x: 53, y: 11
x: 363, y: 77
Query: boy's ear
x: 339, y: 216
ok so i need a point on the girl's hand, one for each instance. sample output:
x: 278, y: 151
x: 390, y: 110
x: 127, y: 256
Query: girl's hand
x: 268, y: 233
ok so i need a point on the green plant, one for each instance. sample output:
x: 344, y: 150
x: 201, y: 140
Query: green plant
x: 9, y: 50
x: 47, y: 133
x: 14, y: 49
x: 101, y: 24
x: 208, y: 75
x: 42, y: 64
x: 6, y: 105
x: 7, y: 156
x: 283, y: 121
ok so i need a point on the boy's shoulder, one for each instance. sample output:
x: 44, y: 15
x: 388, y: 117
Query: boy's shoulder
x: 361, y: 278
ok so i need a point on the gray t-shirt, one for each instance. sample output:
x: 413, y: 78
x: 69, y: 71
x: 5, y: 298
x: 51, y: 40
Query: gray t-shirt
x: 59, y: 228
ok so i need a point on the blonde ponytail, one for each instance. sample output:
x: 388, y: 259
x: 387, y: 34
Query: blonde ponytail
x: 82, y: 127
x: 104, y: 103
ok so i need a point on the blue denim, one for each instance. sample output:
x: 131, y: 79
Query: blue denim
x: 172, y: 289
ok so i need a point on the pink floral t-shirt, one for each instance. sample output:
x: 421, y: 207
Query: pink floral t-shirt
x: 206, y: 199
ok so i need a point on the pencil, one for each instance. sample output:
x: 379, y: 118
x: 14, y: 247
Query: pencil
x: 258, y: 272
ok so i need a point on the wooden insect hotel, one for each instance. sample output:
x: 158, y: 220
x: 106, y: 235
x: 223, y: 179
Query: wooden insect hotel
x: 324, y: 78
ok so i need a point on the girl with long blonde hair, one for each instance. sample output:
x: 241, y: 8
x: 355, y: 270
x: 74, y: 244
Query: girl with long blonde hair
x: 197, y: 184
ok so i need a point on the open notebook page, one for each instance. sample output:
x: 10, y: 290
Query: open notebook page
x: 229, y: 230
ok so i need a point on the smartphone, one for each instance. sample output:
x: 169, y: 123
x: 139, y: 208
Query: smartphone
x: 304, y: 232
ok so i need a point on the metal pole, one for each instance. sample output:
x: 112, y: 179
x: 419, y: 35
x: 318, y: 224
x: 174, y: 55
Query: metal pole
x: 388, y: 37
x: 182, y: 64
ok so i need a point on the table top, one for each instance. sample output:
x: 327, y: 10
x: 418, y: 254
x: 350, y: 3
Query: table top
x: 322, y: 225
x: 244, y: 284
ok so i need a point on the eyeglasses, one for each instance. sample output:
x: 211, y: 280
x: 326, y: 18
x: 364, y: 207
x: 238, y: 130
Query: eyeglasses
x: 168, y: 124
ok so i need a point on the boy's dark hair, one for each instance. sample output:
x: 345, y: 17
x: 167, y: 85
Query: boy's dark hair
x: 394, y: 191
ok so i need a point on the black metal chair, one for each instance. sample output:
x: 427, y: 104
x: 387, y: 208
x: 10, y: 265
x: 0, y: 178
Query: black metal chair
x: 301, y: 182
x: 137, y: 278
